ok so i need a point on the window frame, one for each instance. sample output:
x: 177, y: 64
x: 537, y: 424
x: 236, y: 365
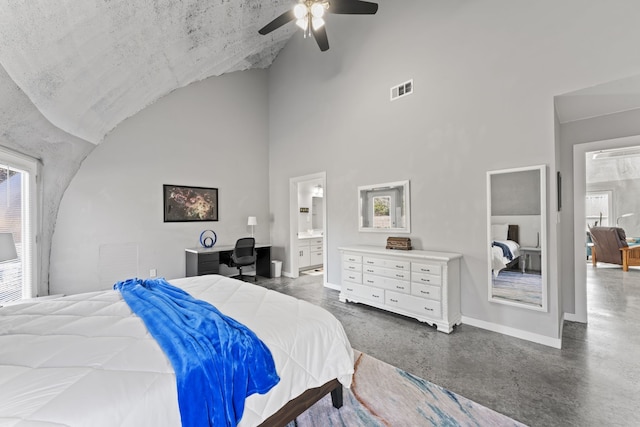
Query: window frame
x: 31, y: 216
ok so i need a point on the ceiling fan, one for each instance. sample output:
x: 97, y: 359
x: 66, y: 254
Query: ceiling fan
x: 309, y: 14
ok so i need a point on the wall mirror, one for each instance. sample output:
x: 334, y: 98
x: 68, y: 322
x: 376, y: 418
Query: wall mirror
x: 384, y: 207
x: 517, y: 230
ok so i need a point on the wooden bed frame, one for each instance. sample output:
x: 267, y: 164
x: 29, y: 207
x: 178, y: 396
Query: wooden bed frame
x: 300, y: 404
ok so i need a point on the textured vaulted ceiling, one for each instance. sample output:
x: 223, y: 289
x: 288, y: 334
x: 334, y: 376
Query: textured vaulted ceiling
x: 87, y: 65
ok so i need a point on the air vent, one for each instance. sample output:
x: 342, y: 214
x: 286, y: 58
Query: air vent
x: 401, y: 90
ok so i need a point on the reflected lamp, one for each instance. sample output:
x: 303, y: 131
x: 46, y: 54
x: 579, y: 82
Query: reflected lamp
x: 7, y: 247
x: 252, y: 221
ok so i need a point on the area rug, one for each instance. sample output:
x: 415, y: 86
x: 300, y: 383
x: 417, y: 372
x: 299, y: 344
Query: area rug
x: 383, y: 395
x: 517, y: 286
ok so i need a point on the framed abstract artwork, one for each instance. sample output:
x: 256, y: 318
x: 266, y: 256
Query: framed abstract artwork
x: 185, y: 204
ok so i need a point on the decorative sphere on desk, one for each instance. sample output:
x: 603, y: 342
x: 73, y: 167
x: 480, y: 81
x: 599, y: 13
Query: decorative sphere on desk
x: 208, y: 238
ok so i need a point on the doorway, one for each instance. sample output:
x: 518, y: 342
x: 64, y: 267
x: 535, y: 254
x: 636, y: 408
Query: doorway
x: 308, y: 219
x: 617, y: 215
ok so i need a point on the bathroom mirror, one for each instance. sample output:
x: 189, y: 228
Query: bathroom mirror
x: 384, y: 208
x: 317, y: 220
x: 517, y: 230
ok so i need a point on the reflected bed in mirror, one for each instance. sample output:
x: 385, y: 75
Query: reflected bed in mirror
x: 384, y: 207
x: 516, y: 229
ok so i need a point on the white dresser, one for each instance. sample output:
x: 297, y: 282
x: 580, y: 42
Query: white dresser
x: 421, y: 284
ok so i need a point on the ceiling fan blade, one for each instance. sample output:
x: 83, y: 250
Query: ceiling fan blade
x: 321, y: 37
x: 352, y: 7
x: 278, y: 22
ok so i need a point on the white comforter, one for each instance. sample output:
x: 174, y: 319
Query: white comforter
x: 86, y: 360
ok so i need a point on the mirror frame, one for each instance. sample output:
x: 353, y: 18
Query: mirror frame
x: 543, y: 239
x: 404, y: 185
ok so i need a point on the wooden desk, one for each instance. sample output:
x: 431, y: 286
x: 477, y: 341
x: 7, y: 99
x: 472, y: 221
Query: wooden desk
x: 201, y: 261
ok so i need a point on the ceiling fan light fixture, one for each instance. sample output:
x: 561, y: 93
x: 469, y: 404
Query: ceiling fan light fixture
x: 300, y: 11
x: 317, y: 10
x: 302, y: 23
x: 309, y: 14
x: 317, y: 23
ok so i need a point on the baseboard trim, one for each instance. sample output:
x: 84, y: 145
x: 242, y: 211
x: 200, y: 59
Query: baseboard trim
x: 332, y: 286
x: 513, y: 332
x: 572, y: 317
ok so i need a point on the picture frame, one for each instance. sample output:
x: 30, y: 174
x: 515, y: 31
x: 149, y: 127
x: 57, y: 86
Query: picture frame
x: 187, y: 204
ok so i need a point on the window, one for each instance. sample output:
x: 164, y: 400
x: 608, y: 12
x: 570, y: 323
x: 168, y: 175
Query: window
x: 598, y: 208
x: 18, y: 217
x: 381, y: 212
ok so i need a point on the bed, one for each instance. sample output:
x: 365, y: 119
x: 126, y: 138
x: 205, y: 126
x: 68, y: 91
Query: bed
x: 505, y: 249
x: 86, y: 359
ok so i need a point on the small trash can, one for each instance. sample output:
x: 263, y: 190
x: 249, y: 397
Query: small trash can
x: 276, y: 268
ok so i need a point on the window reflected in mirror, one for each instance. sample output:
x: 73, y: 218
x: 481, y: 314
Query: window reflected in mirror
x: 384, y: 207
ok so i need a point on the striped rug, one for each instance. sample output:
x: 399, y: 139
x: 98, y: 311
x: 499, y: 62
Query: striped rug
x: 382, y: 395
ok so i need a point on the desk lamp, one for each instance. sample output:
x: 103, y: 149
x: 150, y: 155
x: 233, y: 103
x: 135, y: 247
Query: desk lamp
x: 253, y: 221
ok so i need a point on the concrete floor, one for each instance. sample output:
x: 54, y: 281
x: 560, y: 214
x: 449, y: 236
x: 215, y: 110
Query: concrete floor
x: 594, y: 380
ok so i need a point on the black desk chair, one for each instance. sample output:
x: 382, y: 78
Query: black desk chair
x: 244, y: 254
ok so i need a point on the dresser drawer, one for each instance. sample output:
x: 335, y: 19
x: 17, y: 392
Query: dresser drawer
x: 399, y: 265
x: 422, y: 306
x: 373, y: 280
x: 426, y: 291
x: 352, y: 258
x: 365, y: 292
x: 209, y: 263
x: 386, y: 272
x: 398, y: 285
x: 426, y: 279
x: 387, y: 263
x: 386, y: 283
x: 367, y: 260
x: 352, y: 266
x: 427, y: 268
x: 315, y: 242
x: 351, y: 276
x: 370, y: 269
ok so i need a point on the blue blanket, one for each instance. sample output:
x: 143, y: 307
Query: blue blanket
x: 218, y: 361
x: 506, y: 251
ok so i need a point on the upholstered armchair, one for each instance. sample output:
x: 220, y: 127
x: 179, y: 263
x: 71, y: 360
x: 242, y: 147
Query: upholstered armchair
x: 610, y: 246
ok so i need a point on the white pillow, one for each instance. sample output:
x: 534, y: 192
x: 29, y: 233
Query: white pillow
x: 499, y: 231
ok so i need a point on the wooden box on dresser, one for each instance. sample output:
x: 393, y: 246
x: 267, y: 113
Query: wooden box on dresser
x: 424, y: 285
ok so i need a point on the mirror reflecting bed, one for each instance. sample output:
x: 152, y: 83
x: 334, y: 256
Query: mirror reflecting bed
x: 516, y: 228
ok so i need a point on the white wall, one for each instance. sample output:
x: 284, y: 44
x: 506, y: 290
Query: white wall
x: 485, y: 74
x: 211, y: 134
